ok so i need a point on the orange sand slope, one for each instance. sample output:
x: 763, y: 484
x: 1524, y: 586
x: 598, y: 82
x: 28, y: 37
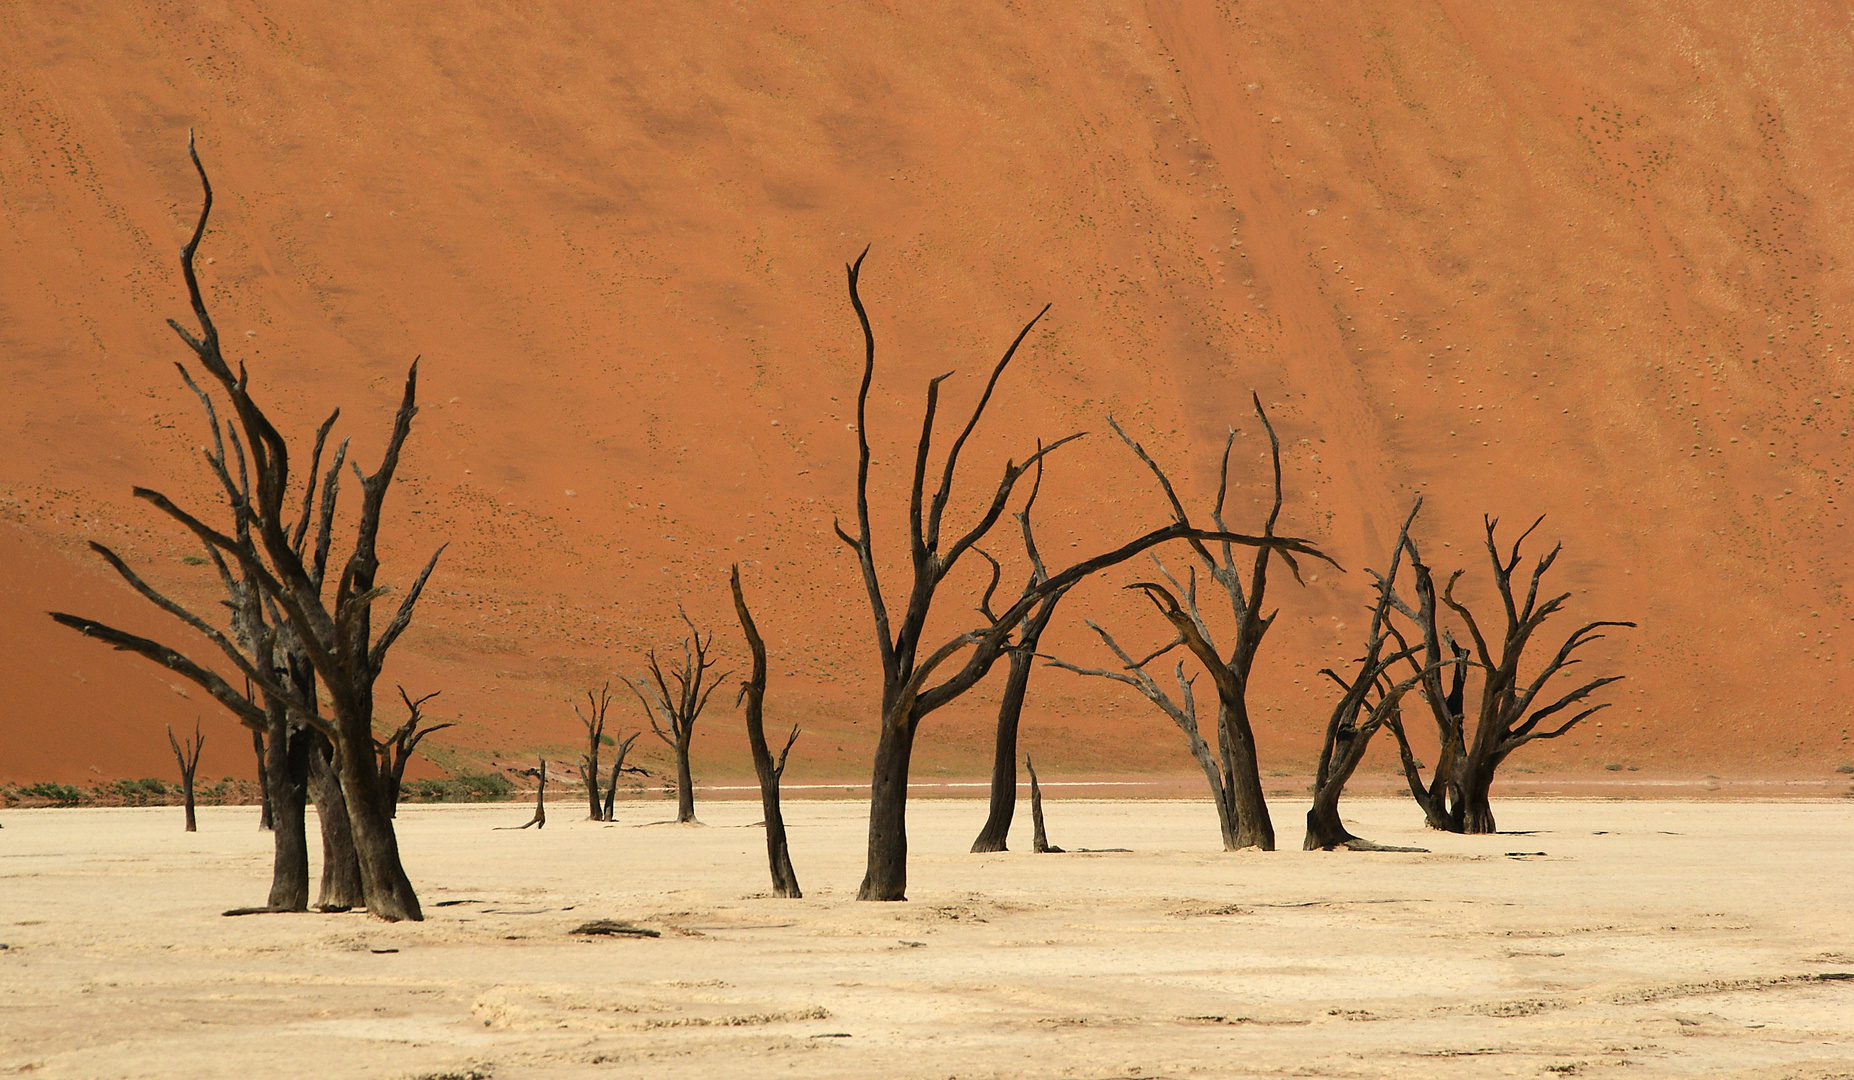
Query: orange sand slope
x: 1580, y: 259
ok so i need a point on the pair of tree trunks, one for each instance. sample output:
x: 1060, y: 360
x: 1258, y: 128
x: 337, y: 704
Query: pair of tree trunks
x: 1358, y: 715
x: 1232, y: 767
x: 593, y: 716
x: 286, y: 637
x: 1511, y: 711
x: 909, y: 665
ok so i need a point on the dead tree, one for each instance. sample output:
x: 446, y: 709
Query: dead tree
x: 539, y: 820
x: 188, y: 758
x: 673, y: 713
x: 907, y: 664
x: 752, y: 699
x: 336, y: 640
x: 1510, y: 712
x: 1003, y: 807
x: 593, y: 716
x: 255, y: 631
x: 397, y: 749
x: 1182, y: 711
x: 1039, y: 840
x: 619, y: 767
x: 1235, y: 774
x: 1358, y: 716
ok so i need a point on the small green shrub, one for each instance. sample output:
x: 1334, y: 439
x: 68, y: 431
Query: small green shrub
x: 1614, y: 766
x: 1844, y: 768
x: 144, y: 792
x: 58, y: 794
x: 464, y: 787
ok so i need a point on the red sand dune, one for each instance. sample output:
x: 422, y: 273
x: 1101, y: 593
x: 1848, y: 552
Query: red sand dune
x: 1584, y: 260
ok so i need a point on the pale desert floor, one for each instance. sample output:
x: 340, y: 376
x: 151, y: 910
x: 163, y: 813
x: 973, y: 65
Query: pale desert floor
x: 1614, y: 938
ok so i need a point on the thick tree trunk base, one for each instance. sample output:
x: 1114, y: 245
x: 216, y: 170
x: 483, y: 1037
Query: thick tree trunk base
x: 341, y: 880
x: 685, y: 787
x: 385, y: 889
x: 1324, y: 829
x: 886, y: 876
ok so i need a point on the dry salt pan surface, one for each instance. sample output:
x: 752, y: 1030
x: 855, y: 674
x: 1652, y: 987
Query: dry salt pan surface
x: 1607, y: 938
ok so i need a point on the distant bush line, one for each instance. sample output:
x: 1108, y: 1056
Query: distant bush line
x: 230, y: 791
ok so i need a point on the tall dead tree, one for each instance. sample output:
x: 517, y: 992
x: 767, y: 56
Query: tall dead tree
x: 1236, y: 779
x: 1511, y: 710
x: 253, y: 630
x: 907, y: 664
x: 752, y: 699
x: 593, y: 716
x: 397, y: 749
x: 673, y: 713
x: 1022, y: 651
x: 1369, y: 701
x: 336, y: 640
x: 188, y: 758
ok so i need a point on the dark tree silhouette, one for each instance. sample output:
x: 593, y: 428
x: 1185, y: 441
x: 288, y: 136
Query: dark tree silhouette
x: 623, y: 748
x: 1357, y: 716
x: 1511, y: 710
x: 673, y: 713
x: 908, y: 664
x: 1234, y: 774
x: 752, y: 699
x: 1003, y: 805
x: 337, y: 641
x: 188, y: 758
x: 1039, y: 839
x: 539, y: 820
x: 397, y: 749
x: 265, y: 821
x: 593, y: 716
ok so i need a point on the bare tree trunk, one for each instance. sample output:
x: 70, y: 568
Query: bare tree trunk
x: 886, y: 877
x: 589, y: 774
x: 266, y: 818
x: 997, y: 827
x: 1474, y: 814
x: 1248, y: 805
x: 685, y: 786
x: 753, y: 697
x: 539, y: 820
x: 384, y: 884
x: 1039, y: 840
x: 341, y: 878
x: 1325, y: 830
x: 286, y: 774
